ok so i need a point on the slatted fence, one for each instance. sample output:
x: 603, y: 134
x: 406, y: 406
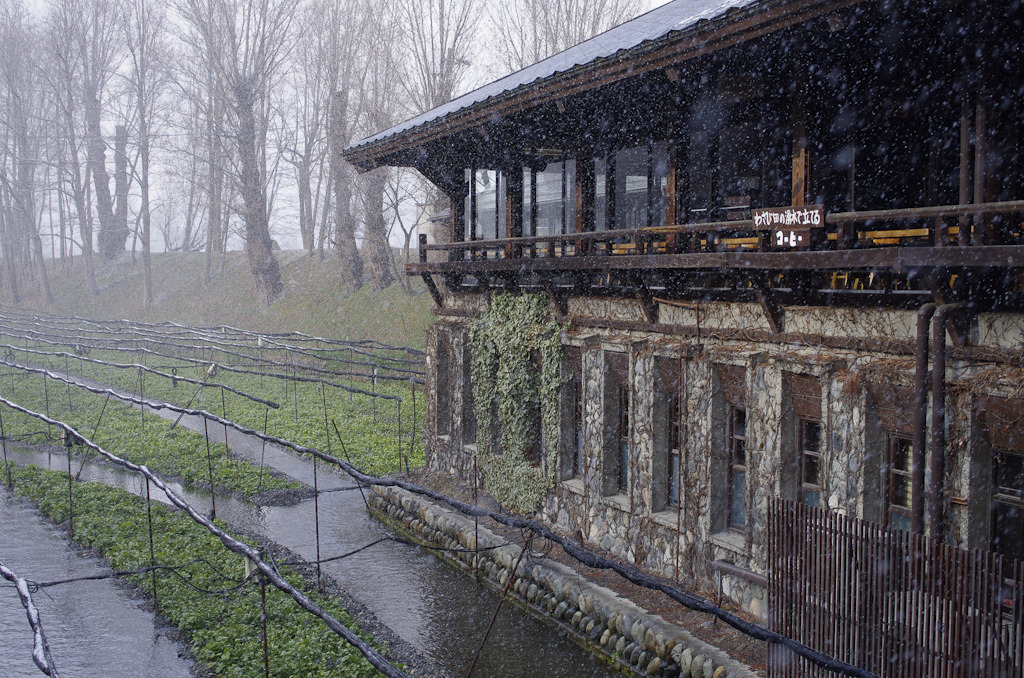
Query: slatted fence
x: 894, y: 603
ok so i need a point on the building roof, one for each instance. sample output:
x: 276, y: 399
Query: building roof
x: 674, y: 17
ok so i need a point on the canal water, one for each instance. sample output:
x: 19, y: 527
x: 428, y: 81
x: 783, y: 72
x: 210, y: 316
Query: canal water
x: 93, y: 628
x: 441, y: 612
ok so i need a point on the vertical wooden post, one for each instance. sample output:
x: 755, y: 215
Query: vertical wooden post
x: 71, y: 480
x: 965, y: 170
x: 800, y: 159
x: 263, y: 620
x: 209, y: 468
x: 980, y: 143
x: 152, y: 551
x: 3, y: 442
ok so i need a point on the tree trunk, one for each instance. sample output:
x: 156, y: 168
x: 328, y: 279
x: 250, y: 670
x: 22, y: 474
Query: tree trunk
x: 375, y: 237
x: 119, y: 235
x: 265, y: 272
x: 147, y: 273
x: 96, y: 158
x: 307, y: 226
x: 213, y: 234
x: 344, y: 225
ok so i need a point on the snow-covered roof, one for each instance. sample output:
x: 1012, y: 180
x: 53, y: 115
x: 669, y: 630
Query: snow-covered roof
x: 677, y: 15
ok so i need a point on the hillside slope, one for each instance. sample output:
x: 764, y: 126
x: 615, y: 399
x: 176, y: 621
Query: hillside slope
x: 314, y: 300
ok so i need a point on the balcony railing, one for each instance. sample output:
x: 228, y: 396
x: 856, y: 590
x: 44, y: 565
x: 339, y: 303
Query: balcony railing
x: 945, y: 226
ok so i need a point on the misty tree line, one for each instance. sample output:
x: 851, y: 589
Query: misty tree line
x: 199, y: 119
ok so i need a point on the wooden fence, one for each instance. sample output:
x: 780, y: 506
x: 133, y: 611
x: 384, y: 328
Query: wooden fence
x: 894, y: 603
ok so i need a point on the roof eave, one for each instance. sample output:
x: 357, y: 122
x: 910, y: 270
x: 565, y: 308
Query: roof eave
x: 733, y: 27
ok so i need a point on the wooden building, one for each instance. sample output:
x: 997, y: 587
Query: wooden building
x: 785, y: 242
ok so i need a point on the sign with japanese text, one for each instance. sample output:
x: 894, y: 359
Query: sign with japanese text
x: 790, y: 227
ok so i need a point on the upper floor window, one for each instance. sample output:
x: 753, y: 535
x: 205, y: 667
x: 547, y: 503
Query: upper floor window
x: 486, y: 217
x: 549, y: 198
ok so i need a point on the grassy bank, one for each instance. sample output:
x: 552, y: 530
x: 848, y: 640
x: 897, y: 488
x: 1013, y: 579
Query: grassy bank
x: 313, y: 301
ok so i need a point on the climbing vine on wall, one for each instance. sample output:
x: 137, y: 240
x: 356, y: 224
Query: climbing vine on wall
x: 509, y: 391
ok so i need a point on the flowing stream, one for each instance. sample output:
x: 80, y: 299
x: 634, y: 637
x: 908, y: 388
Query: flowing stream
x: 441, y: 612
x: 93, y: 627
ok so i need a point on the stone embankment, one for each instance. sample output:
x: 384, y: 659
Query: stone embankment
x: 613, y: 627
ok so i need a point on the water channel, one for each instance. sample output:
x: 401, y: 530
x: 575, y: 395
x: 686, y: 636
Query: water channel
x: 93, y: 628
x: 440, y: 612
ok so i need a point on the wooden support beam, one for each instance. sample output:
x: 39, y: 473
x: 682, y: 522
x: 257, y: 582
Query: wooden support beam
x: 559, y: 299
x: 432, y: 288
x: 772, y: 311
x: 649, y: 305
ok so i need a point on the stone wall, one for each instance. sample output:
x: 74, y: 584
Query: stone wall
x: 683, y: 542
x: 615, y: 628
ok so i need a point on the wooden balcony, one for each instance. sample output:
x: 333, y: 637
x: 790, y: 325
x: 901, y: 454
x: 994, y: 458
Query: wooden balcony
x: 886, y: 258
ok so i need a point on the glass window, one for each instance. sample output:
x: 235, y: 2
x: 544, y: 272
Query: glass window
x: 667, y: 437
x: 1008, y: 503
x: 574, y: 419
x: 737, y: 442
x: 659, y: 187
x: 486, y: 183
x: 674, y: 446
x: 550, y: 211
x: 898, y: 490
x: 616, y: 452
x: 442, y: 396
x: 631, y: 187
x: 468, y: 413
x: 600, y: 194
x: 623, y: 435
x: 810, y: 461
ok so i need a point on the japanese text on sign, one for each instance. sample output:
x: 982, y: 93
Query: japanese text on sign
x: 791, y: 217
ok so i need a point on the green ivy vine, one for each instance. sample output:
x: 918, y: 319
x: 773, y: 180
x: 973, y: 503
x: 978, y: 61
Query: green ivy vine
x: 505, y: 342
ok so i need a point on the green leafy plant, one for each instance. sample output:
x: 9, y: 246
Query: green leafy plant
x: 203, y: 596
x: 507, y: 342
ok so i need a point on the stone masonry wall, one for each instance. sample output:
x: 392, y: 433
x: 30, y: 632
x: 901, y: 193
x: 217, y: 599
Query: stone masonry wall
x: 616, y: 629
x: 682, y: 543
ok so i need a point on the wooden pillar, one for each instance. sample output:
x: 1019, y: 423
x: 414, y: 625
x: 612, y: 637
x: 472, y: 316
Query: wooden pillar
x: 965, y: 169
x: 671, y: 210
x: 513, y: 199
x: 980, y: 142
x: 800, y: 158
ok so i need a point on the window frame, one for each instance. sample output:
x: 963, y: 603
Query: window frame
x: 736, y: 520
x: 803, y: 423
x: 891, y: 508
x: 442, y: 386
x: 1005, y: 500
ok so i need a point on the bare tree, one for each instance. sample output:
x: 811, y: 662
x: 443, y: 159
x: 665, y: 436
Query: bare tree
x: 343, y: 47
x: 23, y: 105
x: 528, y: 31
x: 64, y: 20
x: 97, y: 40
x: 257, y: 38
x: 438, y: 48
x: 143, y: 30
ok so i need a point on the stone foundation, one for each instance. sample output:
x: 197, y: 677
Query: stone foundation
x: 613, y: 627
